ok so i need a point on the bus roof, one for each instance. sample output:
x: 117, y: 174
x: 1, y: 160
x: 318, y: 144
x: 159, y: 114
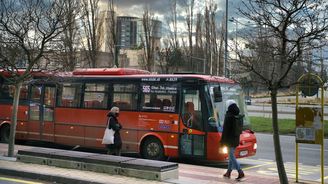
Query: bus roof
x: 18, y: 72
x: 136, y: 73
x: 109, y: 71
x: 120, y: 73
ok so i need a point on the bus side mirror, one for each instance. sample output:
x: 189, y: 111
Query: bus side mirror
x: 217, y: 94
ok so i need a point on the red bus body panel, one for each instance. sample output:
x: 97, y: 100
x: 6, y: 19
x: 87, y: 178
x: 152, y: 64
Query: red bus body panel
x: 85, y: 127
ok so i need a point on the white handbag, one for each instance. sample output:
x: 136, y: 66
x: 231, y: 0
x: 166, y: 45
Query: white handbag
x: 108, y: 136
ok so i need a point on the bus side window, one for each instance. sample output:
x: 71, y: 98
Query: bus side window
x: 23, y: 93
x: 4, y: 93
x: 69, y: 95
x: 158, y: 97
x: 95, y: 95
x: 125, y: 96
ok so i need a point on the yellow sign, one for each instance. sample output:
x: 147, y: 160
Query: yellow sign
x: 309, y: 125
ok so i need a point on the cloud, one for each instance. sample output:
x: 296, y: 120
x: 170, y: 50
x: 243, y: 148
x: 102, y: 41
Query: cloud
x: 162, y: 7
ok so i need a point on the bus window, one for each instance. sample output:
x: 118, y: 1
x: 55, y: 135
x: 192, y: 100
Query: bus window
x: 160, y: 98
x: 49, y: 103
x: 35, y: 102
x: 23, y: 93
x: 69, y: 95
x: 95, y: 96
x: 49, y: 97
x: 5, y: 94
x: 192, y: 112
x: 125, y: 96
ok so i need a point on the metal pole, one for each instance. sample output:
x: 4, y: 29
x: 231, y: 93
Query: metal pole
x: 296, y: 147
x: 115, y: 55
x: 322, y: 138
x: 114, y: 58
x: 226, y: 43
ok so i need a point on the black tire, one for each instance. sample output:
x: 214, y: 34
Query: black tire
x: 152, y: 148
x: 4, y: 134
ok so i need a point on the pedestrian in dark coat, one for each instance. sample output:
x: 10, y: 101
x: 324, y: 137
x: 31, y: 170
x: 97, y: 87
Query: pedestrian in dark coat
x: 114, y: 149
x: 230, y: 140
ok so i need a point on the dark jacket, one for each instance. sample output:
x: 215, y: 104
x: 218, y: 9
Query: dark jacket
x: 228, y: 137
x: 116, y: 126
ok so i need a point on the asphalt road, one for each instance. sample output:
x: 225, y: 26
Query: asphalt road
x: 309, y: 154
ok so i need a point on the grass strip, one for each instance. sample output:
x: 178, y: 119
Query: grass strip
x: 286, y: 126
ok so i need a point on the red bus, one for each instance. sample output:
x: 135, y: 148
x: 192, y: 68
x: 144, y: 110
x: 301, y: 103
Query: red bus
x: 176, y: 115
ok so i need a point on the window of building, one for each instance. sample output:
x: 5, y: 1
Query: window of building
x: 95, y: 96
x: 125, y: 96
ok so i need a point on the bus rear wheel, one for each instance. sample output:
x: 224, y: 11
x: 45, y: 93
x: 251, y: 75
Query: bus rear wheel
x: 4, y: 134
x: 152, y: 149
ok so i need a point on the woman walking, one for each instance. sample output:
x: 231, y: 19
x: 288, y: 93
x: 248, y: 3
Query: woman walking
x: 231, y: 140
x: 114, y: 149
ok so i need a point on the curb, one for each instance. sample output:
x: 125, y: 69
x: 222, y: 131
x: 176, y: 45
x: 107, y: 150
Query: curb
x: 44, y: 177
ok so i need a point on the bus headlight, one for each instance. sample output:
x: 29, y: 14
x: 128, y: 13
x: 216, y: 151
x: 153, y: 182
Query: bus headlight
x: 223, y: 150
x: 255, y: 146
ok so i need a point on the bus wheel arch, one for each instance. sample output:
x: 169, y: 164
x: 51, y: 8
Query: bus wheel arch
x: 152, y: 148
x: 4, y: 132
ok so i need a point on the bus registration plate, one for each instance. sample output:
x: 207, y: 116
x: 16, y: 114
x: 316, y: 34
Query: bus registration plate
x: 243, y: 153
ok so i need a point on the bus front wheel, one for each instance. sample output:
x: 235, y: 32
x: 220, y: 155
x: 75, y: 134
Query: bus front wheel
x: 4, y: 134
x: 152, y: 149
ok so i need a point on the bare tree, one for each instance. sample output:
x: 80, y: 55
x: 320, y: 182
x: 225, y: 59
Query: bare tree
x: 148, y: 39
x: 190, y: 26
x: 70, y: 39
x: 211, y: 39
x: 26, y: 29
x: 92, y: 25
x: 112, y: 32
x: 289, y: 28
x: 171, y: 59
x: 173, y: 24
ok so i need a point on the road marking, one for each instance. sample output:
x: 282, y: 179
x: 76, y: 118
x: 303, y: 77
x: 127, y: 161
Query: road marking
x: 325, y: 178
x: 18, y: 181
x: 267, y: 167
x: 312, y: 149
x: 247, y: 168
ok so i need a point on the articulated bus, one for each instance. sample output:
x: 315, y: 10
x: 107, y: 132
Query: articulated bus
x: 173, y: 115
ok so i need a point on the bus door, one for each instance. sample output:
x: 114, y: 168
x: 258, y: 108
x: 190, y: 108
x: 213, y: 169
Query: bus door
x: 192, y: 135
x: 41, y: 113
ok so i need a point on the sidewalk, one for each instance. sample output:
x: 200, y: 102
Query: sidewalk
x: 188, y: 174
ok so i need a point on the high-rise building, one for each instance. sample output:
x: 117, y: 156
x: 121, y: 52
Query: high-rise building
x: 130, y: 31
x: 127, y: 32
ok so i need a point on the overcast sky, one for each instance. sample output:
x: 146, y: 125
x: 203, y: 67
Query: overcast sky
x: 161, y: 8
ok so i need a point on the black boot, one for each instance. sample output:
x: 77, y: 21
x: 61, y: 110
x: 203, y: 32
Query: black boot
x: 241, y: 175
x: 227, y: 174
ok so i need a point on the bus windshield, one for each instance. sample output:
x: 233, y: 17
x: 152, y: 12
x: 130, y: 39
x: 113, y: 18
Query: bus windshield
x: 218, y: 109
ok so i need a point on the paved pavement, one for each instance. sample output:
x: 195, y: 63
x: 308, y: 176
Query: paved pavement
x: 188, y: 174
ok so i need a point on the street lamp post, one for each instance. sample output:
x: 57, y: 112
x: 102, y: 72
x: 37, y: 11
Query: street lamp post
x: 226, y: 42
x: 236, y: 46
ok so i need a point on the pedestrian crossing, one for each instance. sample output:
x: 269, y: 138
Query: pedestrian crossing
x: 255, y: 169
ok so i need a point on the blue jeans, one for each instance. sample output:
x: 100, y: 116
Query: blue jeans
x: 233, y: 163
